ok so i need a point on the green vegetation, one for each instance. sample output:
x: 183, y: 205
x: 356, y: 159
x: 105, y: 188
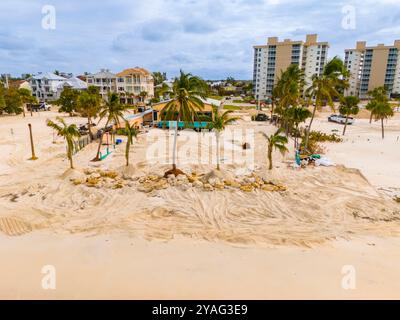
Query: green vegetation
x: 187, y: 94
x: 232, y: 108
x: 348, y: 107
x: 219, y: 123
x: 216, y: 97
x: 278, y: 142
x: 69, y: 132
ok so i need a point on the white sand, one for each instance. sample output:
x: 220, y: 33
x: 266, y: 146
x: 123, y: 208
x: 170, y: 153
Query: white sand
x: 329, y: 217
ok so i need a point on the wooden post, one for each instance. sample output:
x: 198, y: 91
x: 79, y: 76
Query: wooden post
x: 32, y: 146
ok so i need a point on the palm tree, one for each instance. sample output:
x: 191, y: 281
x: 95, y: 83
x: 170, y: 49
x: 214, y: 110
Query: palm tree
x: 376, y: 95
x: 143, y: 95
x: 113, y: 111
x: 131, y: 132
x: 349, y: 106
x: 89, y: 103
x: 219, y: 123
x: 69, y: 132
x: 383, y: 110
x: 322, y: 90
x: 298, y: 115
x: 26, y: 97
x: 278, y: 142
x: 187, y: 94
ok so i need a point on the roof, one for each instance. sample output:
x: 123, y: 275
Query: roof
x: 128, y: 72
x: 75, y: 83
x: 48, y: 76
x: 102, y: 74
x: 208, y: 106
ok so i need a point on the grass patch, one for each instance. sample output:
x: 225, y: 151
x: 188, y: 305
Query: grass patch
x: 216, y: 97
x: 230, y: 107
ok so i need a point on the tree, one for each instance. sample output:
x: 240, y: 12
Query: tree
x: 26, y: 97
x: 383, y: 110
x: 143, y: 95
x: 89, y: 103
x: 336, y: 70
x: 218, y: 123
x: 288, y: 91
x: 376, y: 95
x: 297, y: 115
x: 278, y: 142
x: 113, y: 111
x: 2, y: 100
x: 159, y: 78
x: 68, y: 101
x: 13, y: 101
x: 69, y: 132
x: 187, y: 92
x: 131, y: 132
x: 348, y: 107
x: 322, y: 90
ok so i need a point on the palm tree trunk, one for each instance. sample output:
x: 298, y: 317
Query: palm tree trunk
x: 90, y: 128
x: 345, y: 125
x: 272, y: 109
x: 370, y: 118
x: 71, y: 162
x: 270, y: 157
x: 128, y: 145
x: 309, y: 127
x: 217, y: 138
x: 97, y: 158
x: 383, y: 129
x: 175, y: 145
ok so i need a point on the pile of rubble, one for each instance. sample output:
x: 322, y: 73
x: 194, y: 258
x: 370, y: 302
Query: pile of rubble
x: 208, y: 182
x: 96, y: 178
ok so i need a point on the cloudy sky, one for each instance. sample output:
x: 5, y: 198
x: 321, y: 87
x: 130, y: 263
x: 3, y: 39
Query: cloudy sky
x: 210, y: 38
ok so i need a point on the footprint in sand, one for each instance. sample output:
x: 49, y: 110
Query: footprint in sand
x: 14, y: 227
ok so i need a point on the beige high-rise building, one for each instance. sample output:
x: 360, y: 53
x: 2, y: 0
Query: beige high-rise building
x: 276, y: 56
x: 372, y: 67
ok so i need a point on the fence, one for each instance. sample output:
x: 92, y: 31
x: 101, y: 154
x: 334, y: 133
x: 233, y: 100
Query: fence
x: 81, y: 143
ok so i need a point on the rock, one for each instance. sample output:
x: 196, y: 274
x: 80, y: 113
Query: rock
x: 95, y: 175
x: 192, y: 178
x: 219, y: 186
x: 247, y: 188
x: 249, y: 180
x: 198, y: 184
x: 232, y: 183
x: 185, y: 186
x: 182, y: 177
x: 214, y: 181
x: 268, y: 187
x: 171, y: 176
x: 162, y: 184
x: 153, y: 177
x: 208, y: 187
x: 145, y: 188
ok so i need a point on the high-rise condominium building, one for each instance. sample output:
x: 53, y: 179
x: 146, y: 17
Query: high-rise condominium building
x: 272, y: 59
x: 372, y: 67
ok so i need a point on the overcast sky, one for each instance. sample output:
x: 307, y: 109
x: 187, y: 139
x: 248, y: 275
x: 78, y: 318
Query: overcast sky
x: 210, y: 38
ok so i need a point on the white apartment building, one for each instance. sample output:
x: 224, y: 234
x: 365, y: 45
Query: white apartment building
x: 272, y: 59
x: 48, y: 86
x: 372, y: 67
x: 104, y: 80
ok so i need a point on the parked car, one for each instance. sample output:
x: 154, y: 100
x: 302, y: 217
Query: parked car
x: 38, y: 107
x: 261, y: 117
x: 338, y: 118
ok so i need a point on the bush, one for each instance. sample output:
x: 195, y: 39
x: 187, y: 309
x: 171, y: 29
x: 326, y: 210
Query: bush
x: 316, y: 138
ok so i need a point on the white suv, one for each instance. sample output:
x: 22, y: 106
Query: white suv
x: 338, y: 118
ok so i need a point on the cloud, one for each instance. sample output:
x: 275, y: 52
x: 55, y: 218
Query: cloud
x: 211, y: 38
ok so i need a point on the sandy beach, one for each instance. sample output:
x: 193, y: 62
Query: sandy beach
x: 122, y: 242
